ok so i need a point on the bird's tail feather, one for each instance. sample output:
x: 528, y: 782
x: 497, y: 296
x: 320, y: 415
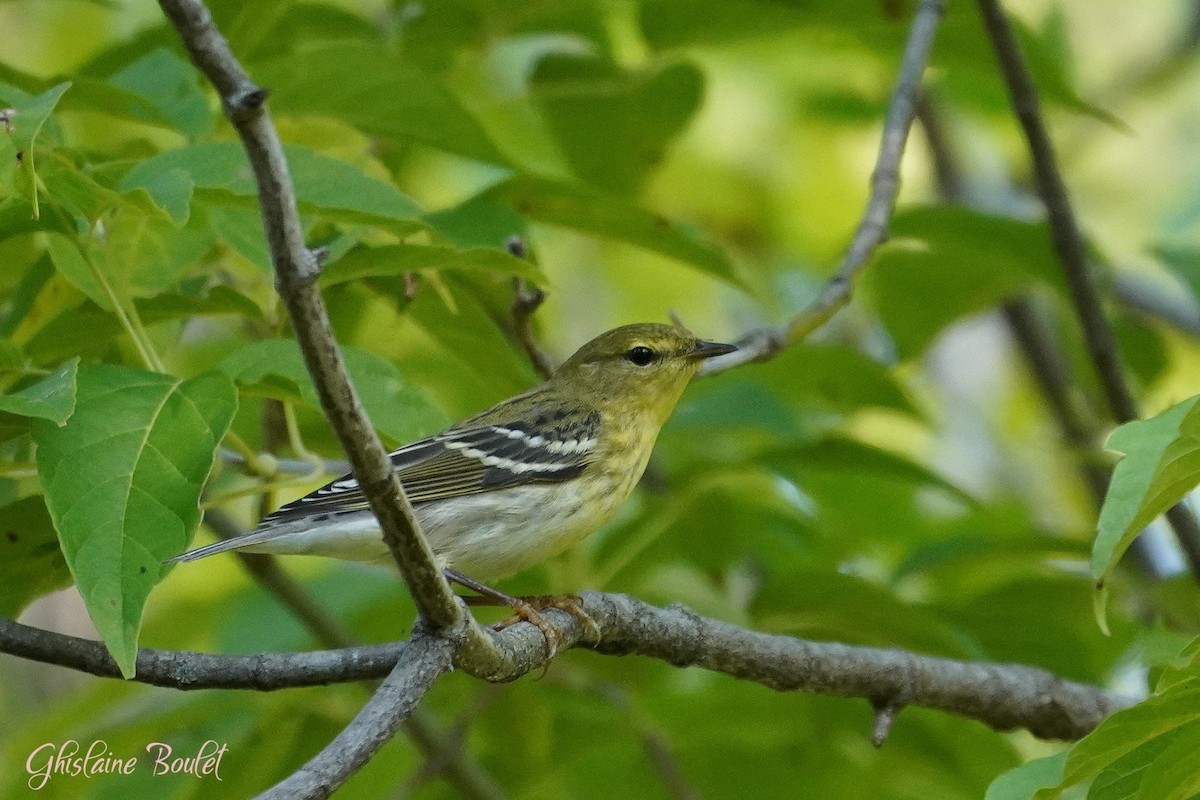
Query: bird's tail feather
x: 236, y: 543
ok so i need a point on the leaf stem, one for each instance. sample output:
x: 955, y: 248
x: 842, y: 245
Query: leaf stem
x: 136, y: 333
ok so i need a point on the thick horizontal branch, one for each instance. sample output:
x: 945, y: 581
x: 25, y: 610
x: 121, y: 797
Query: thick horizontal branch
x: 1004, y: 696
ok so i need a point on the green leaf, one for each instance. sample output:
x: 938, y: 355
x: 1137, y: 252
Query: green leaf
x: 325, y: 186
x: 275, y: 368
x: 933, y: 271
x: 1025, y: 781
x: 69, y: 260
x: 1184, y: 263
x: 614, y: 125
x: 1161, y: 464
x: 122, y: 480
x: 1127, y: 730
x: 28, y: 113
x: 835, y: 452
x: 479, y: 222
x: 172, y: 87
x: 89, y: 329
x: 368, y: 86
x: 51, y: 398
x: 31, y: 563
x: 836, y: 377
x: 171, y: 190
x: 242, y: 230
x: 401, y: 259
x: 144, y: 253
x: 612, y: 217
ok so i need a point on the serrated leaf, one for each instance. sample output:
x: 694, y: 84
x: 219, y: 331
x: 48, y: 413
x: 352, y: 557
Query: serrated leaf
x: 275, y: 368
x: 1161, y: 464
x: 325, y: 186
x: 51, y: 398
x: 365, y: 262
x: 613, y: 217
x: 122, y: 480
x: 31, y: 563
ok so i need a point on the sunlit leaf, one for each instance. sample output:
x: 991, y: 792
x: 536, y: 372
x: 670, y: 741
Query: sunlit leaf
x: 614, y: 125
x: 324, y: 186
x: 369, y: 87
x: 1161, y: 464
x: 172, y: 86
x: 122, y: 481
x: 611, y: 217
x: 275, y: 368
x: 366, y: 262
x: 52, y: 397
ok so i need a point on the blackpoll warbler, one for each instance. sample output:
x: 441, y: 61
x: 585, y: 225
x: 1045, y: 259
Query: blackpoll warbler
x: 519, y: 483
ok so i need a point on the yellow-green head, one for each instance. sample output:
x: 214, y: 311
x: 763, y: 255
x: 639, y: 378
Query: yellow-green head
x: 643, y: 367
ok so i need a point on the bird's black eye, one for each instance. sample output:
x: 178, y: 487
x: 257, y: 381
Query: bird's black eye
x: 640, y: 355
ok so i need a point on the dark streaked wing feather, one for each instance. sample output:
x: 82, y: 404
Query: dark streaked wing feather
x: 463, y: 461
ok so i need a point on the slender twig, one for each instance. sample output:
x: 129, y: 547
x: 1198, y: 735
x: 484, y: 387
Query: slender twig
x: 1064, y: 229
x: 885, y: 718
x: 1036, y: 341
x: 293, y: 466
x: 412, y: 676
x: 1069, y: 245
x: 659, y: 752
x: 1177, y: 308
x: 1004, y: 696
x: 467, y: 776
x: 527, y: 299
x: 296, y: 271
x: 873, y: 227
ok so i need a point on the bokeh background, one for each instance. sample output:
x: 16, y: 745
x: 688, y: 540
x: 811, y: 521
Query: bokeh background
x: 896, y: 480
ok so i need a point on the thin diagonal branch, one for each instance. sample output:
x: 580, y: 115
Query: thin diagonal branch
x: 527, y: 299
x: 873, y: 227
x: 1072, y: 252
x: 468, y: 777
x: 295, y: 276
x: 1004, y: 696
x: 1064, y: 229
x: 414, y: 673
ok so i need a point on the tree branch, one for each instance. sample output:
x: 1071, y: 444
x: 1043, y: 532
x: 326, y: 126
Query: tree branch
x: 295, y: 276
x: 1072, y: 251
x: 468, y: 777
x: 423, y: 662
x: 873, y: 227
x: 527, y: 298
x: 1004, y: 696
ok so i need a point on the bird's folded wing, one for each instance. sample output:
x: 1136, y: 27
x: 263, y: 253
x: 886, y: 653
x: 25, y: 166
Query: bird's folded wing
x: 462, y: 461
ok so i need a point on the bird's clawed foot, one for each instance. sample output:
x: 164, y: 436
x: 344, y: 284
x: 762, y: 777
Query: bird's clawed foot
x: 529, y: 609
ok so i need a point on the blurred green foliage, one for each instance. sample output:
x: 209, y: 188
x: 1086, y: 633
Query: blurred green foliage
x: 896, y: 481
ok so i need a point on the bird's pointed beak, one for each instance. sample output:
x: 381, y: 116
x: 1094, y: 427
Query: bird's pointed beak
x: 704, y: 350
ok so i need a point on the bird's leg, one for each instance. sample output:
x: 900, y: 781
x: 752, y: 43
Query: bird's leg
x: 522, y: 608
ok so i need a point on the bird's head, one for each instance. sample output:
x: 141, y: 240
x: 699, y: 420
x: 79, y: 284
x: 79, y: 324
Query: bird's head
x: 645, y: 366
